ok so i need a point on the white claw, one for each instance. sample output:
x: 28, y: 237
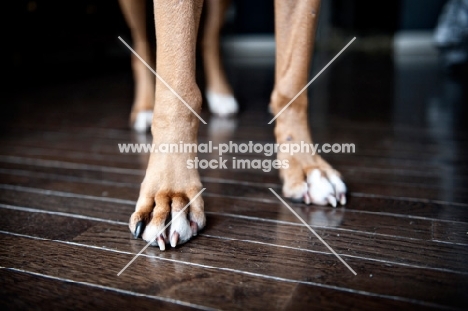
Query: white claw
x: 220, y: 104
x: 162, y: 245
x: 174, y: 239
x: 343, y: 199
x: 332, y: 200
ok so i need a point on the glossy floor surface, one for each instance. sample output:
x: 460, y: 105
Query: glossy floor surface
x: 66, y: 194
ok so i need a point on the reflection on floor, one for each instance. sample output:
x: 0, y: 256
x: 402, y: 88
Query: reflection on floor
x: 67, y: 193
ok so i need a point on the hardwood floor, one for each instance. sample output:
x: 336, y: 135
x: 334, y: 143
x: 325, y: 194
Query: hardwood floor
x: 66, y: 193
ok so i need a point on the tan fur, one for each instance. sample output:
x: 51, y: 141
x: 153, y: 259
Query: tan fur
x: 167, y: 174
x: 295, y: 24
x: 134, y: 13
x: 215, y: 77
x: 167, y: 180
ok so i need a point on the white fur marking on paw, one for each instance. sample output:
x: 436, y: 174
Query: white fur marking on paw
x: 150, y: 234
x: 180, y: 225
x: 221, y: 104
x: 143, y: 121
x: 338, y: 183
x: 320, y: 189
x: 340, y: 188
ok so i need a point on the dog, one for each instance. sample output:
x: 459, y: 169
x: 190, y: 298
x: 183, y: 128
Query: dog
x: 169, y: 185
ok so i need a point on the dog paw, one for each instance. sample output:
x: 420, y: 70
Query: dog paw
x: 222, y: 105
x: 321, y: 186
x: 325, y: 187
x: 168, y: 188
x: 311, y: 180
x: 150, y: 218
x: 142, y: 121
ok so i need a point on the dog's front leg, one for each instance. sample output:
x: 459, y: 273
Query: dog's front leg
x: 169, y: 184
x: 219, y: 94
x: 309, y: 177
x: 134, y: 12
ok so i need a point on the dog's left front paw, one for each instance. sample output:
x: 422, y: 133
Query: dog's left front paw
x: 321, y: 185
x: 325, y: 187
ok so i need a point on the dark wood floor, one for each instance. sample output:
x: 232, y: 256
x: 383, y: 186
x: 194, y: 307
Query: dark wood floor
x: 66, y: 194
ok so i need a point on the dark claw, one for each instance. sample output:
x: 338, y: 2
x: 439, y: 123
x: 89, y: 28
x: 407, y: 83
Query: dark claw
x: 140, y: 226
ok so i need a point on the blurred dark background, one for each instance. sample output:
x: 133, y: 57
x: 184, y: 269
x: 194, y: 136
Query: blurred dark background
x: 50, y: 43
x: 56, y: 37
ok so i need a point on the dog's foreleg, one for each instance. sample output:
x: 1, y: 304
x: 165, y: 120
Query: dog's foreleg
x: 169, y: 183
x: 134, y: 12
x: 218, y: 92
x: 308, y: 177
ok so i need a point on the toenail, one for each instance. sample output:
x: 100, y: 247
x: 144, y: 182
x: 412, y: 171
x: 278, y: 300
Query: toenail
x: 140, y: 226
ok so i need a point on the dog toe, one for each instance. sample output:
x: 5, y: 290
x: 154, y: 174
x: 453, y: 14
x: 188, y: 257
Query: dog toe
x: 325, y: 188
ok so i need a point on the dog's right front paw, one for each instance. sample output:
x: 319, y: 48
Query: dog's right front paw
x: 167, y: 189
x: 149, y: 220
x: 152, y: 213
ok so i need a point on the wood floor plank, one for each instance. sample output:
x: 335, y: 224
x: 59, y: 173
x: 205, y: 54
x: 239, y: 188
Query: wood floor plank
x: 221, y: 176
x: 384, y: 279
x: 26, y: 291
x: 408, y: 132
x: 385, y: 249
x: 375, y: 222
x: 390, y: 190
x: 367, y: 174
x: 358, y: 201
x: 70, y: 147
x: 450, y: 232
x: 343, y: 219
x: 36, y: 165
x: 165, y: 279
x: 66, y: 193
x: 101, y: 153
x: 383, y: 140
x: 301, y: 299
